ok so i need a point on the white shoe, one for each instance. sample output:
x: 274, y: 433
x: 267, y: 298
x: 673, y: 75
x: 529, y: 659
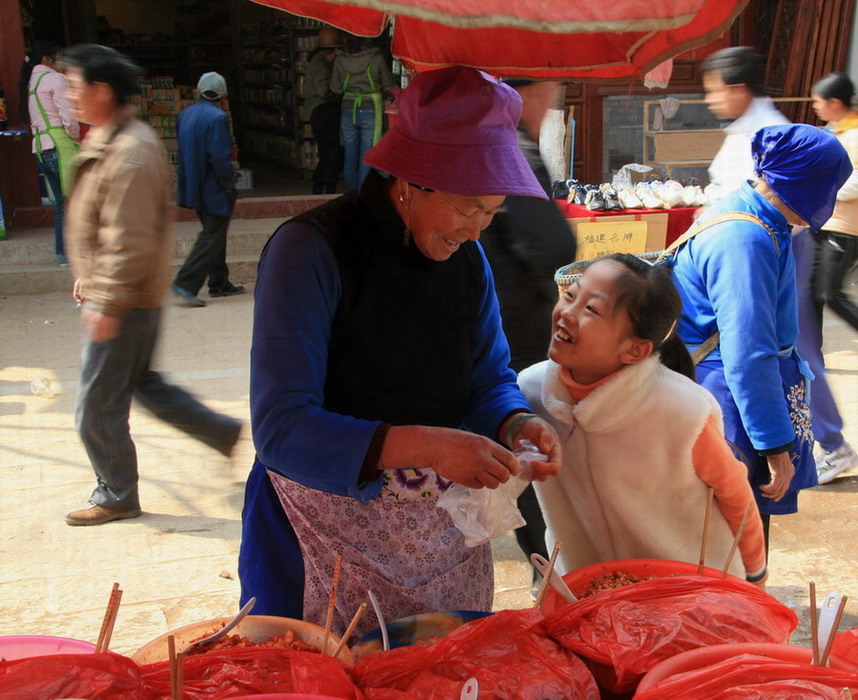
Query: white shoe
x: 832, y: 464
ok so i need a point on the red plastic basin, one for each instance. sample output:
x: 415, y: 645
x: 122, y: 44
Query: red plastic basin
x: 579, y: 579
x: 706, y: 656
x: 25, y: 646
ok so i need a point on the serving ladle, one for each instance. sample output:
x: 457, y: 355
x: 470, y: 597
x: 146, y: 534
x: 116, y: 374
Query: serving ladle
x: 244, y: 612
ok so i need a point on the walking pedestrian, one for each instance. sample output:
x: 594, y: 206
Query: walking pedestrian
x: 733, y: 81
x: 120, y: 245
x: 206, y: 183
x: 834, y: 252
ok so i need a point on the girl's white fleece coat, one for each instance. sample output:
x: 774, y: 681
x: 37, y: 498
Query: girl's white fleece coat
x: 628, y: 488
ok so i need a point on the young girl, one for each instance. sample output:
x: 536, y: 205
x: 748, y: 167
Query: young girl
x: 641, y: 442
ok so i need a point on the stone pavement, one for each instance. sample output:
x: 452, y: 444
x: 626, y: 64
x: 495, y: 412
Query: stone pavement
x: 177, y: 563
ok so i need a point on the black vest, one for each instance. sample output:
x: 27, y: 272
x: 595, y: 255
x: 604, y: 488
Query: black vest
x: 403, y: 339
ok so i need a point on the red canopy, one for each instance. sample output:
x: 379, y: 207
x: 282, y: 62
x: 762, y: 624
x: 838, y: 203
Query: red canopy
x: 561, y: 39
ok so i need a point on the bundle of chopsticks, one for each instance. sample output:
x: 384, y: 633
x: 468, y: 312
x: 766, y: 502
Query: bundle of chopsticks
x: 109, y: 621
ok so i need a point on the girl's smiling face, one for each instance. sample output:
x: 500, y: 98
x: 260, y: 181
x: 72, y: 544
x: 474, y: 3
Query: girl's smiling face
x: 590, y: 336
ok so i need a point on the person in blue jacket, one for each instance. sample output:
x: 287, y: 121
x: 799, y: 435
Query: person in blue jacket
x: 737, y: 278
x: 380, y: 373
x: 206, y: 183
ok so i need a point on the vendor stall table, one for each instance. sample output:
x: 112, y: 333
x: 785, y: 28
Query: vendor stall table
x: 678, y: 219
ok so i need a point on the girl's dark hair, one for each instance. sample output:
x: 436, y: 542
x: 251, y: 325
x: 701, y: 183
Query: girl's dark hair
x: 101, y: 64
x: 835, y: 86
x: 738, y: 65
x: 648, y: 296
x: 34, y: 58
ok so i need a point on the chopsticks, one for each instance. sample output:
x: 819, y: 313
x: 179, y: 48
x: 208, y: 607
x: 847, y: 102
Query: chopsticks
x: 736, y: 539
x: 546, y: 576
x: 107, y: 624
x: 814, y: 625
x: 706, y: 519
x: 332, y: 600
x: 177, y: 669
x: 350, y: 629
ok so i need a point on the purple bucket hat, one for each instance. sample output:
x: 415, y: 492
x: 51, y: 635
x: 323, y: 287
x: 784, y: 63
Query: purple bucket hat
x: 456, y: 132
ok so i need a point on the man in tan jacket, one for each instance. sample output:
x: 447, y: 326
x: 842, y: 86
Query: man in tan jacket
x: 119, y: 241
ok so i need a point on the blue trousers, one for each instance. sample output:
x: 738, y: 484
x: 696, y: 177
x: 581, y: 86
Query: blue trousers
x: 825, y: 418
x: 111, y: 373
x: 357, y: 140
x: 49, y: 166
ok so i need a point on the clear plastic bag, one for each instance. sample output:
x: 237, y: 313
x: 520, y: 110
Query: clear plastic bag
x: 483, y: 514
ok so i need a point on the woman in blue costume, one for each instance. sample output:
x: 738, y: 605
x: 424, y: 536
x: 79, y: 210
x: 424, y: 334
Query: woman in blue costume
x: 737, y: 278
x: 379, y: 370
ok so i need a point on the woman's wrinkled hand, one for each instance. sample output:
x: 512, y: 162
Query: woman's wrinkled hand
x: 782, y: 471
x: 469, y: 459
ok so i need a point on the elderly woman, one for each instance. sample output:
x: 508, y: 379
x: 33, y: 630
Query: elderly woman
x: 379, y: 370
x: 737, y: 282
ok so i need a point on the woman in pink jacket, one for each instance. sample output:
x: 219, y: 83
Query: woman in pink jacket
x: 56, y: 132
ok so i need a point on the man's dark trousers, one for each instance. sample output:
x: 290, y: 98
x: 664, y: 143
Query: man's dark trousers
x: 207, y: 257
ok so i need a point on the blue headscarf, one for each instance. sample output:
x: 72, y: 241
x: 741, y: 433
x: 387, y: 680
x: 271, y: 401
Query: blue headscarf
x: 804, y: 165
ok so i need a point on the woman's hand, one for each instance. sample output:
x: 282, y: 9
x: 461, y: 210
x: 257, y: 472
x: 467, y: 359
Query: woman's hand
x: 782, y: 470
x: 543, y: 435
x: 469, y: 459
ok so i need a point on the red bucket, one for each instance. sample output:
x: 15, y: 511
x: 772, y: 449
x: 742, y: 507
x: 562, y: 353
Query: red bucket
x: 706, y: 656
x: 25, y: 646
x: 580, y: 579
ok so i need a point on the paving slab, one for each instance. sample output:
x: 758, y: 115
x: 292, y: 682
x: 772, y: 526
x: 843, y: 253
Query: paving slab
x: 177, y: 563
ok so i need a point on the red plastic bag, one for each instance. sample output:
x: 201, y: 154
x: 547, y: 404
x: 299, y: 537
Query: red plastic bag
x: 96, y: 676
x: 845, y: 647
x: 249, y: 670
x: 426, y: 686
x: 749, y: 676
x: 509, y: 654
x: 622, y: 634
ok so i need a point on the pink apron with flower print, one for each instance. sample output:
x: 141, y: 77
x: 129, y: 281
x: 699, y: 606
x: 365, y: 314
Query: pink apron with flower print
x: 400, y: 545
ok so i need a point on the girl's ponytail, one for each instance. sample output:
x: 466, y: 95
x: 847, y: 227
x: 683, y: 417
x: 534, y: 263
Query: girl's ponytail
x: 675, y: 356
x: 653, y: 305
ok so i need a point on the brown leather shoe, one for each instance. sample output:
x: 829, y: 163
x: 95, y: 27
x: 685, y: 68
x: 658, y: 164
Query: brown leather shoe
x: 98, y: 515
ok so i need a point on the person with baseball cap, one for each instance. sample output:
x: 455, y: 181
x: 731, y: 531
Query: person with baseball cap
x: 206, y: 183
x: 380, y: 372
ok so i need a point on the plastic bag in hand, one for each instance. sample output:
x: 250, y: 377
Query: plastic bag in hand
x: 483, y: 514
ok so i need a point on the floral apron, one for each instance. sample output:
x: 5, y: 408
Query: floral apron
x: 400, y: 545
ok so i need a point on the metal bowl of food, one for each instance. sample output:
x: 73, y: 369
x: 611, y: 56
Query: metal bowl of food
x: 251, y: 631
x: 415, y: 630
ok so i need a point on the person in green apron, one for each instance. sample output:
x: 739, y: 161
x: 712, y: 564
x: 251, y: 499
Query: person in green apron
x: 361, y: 75
x: 56, y: 132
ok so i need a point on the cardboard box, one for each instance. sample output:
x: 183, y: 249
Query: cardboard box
x: 243, y: 179
x: 693, y: 146
x: 614, y: 234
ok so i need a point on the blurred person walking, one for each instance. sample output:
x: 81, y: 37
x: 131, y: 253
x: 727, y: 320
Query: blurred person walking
x: 733, y: 82
x: 120, y: 245
x: 56, y: 132
x: 527, y: 240
x: 206, y: 183
x: 827, y: 256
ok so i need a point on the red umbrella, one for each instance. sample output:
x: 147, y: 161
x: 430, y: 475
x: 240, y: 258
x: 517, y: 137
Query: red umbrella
x: 536, y: 38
